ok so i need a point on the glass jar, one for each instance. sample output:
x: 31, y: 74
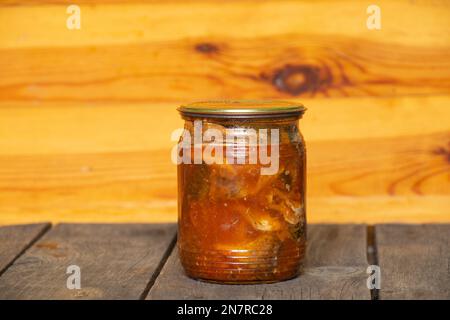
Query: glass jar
x: 241, y: 191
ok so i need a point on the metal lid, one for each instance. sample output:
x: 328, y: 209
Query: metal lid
x: 242, y: 109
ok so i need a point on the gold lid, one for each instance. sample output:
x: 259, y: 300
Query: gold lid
x: 242, y: 109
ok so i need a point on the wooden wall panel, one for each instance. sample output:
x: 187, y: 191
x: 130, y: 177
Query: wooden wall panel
x: 35, y: 23
x: 86, y: 115
x: 279, y: 66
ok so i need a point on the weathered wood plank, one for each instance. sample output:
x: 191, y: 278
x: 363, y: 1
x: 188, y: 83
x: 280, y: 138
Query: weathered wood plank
x: 116, y: 262
x: 15, y: 239
x: 414, y: 261
x: 335, y: 269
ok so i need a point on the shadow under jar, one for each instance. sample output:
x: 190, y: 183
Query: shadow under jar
x: 241, y: 191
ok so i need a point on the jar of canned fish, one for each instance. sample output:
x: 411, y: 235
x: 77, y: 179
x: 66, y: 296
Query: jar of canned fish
x: 241, y: 191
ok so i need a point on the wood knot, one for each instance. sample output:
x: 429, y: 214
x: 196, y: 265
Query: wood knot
x: 298, y: 79
x: 443, y: 151
x: 206, y: 48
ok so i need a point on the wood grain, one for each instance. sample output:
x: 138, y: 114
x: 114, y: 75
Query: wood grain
x: 388, y: 179
x: 335, y: 269
x: 72, y: 163
x: 116, y: 262
x: 14, y: 240
x: 123, y: 22
x: 414, y: 261
x: 143, y: 55
x: 86, y: 115
x: 52, y: 128
x: 295, y: 66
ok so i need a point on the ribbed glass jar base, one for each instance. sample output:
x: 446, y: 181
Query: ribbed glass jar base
x: 241, y: 266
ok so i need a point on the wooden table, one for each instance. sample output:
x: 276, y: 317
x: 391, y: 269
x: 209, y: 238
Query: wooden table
x: 139, y: 261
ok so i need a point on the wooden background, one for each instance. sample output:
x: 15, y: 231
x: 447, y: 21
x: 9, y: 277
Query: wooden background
x: 86, y: 115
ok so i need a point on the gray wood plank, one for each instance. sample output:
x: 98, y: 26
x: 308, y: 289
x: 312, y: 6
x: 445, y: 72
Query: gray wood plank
x: 335, y: 269
x: 414, y: 261
x: 116, y: 262
x: 15, y: 239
